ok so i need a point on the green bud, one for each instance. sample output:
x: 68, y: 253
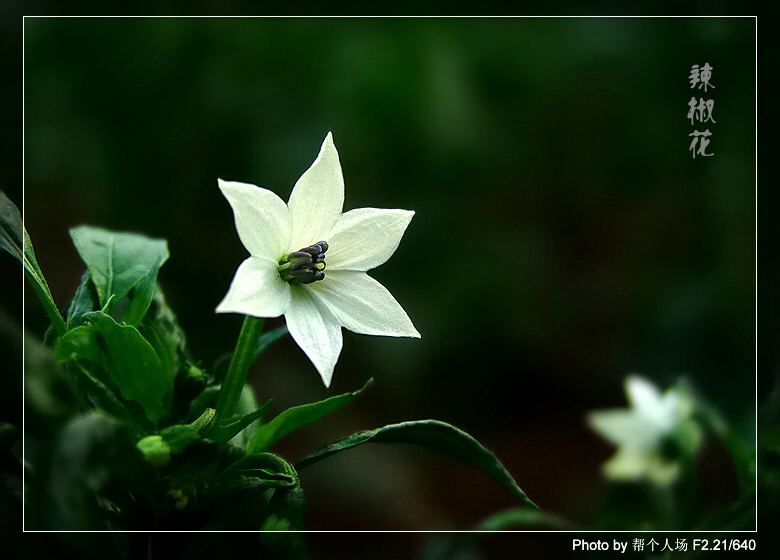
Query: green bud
x: 156, y: 451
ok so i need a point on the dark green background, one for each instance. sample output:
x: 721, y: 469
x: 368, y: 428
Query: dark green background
x: 564, y: 236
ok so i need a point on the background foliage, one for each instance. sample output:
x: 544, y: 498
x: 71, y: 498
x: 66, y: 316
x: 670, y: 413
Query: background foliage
x: 564, y: 236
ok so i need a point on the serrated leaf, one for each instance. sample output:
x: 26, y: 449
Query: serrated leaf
x: 432, y: 434
x: 117, y: 261
x: 132, y: 364
x: 297, y: 416
x: 225, y: 430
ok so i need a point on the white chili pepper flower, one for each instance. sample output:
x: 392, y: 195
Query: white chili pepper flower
x: 654, y: 437
x: 308, y: 261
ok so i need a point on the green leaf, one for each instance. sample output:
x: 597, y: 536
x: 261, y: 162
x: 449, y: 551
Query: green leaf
x: 207, y: 398
x: 11, y: 228
x: 521, y: 517
x: 161, y: 329
x: 40, y: 287
x: 435, y: 435
x: 247, y: 403
x: 143, y: 293
x: 79, y: 344
x: 117, y: 261
x: 14, y: 239
x: 287, y: 510
x: 267, y: 339
x: 263, y: 470
x: 225, y: 430
x: 297, y: 416
x: 82, y: 303
x: 101, y: 396
x: 132, y: 364
x: 84, y: 453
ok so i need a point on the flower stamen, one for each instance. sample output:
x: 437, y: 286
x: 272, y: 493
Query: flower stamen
x: 306, y: 265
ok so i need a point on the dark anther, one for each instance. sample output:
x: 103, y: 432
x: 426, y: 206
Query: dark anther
x: 305, y: 265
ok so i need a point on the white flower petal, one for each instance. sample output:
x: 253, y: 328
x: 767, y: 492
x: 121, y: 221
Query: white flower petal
x: 626, y: 465
x: 262, y: 219
x: 362, y: 304
x: 621, y: 427
x: 315, y: 330
x: 660, y: 471
x: 364, y: 238
x: 649, y: 404
x: 317, y: 198
x: 642, y: 393
x: 257, y: 290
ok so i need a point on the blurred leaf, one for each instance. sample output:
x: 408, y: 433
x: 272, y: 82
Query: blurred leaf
x: 522, y: 517
x: 40, y: 287
x: 712, y: 420
x: 434, y: 435
x: 143, y: 293
x: 82, y: 303
x: 11, y: 228
x: 225, y: 430
x: 267, y: 339
x: 297, y: 416
x: 14, y: 239
x: 48, y: 393
x: 133, y: 365
x: 117, y: 261
x: 82, y: 460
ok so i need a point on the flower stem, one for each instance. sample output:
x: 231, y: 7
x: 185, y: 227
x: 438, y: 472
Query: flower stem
x: 242, y: 358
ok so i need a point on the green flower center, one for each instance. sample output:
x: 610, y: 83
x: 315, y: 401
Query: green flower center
x: 306, y: 265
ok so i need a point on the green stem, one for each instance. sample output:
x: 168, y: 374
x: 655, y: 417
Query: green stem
x: 242, y: 358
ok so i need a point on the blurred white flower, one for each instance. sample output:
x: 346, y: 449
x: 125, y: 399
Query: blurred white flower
x: 653, y: 437
x: 286, y: 272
